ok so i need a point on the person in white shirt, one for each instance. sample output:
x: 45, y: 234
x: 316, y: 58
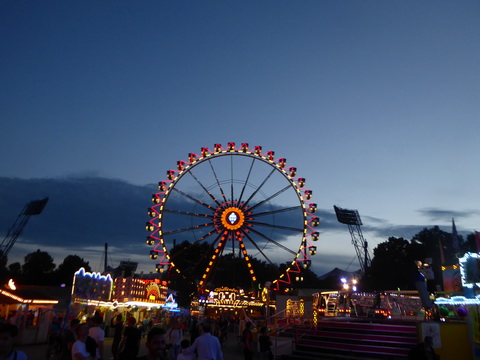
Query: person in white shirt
x: 97, y: 333
x: 79, y: 348
x: 175, y: 337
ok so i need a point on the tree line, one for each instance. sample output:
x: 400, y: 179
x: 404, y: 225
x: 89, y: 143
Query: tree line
x: 39, y: 268
x: 393, y: 266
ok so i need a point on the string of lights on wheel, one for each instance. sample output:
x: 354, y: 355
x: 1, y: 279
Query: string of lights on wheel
x: 236, y: 209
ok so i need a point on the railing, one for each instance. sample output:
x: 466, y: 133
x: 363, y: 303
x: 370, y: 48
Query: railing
x: 279, y: 326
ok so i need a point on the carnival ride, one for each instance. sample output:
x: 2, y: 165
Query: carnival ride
x: 34, y: 207
x: 351, y: 218
x: 236, y: 201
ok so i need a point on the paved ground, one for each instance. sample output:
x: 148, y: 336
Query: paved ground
x: 231, y: 350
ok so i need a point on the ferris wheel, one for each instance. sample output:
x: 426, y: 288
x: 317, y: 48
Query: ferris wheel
x: 234, y: 201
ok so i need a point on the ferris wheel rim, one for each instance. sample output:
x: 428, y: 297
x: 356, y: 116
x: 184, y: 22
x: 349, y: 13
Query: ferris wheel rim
x: 187, y: 167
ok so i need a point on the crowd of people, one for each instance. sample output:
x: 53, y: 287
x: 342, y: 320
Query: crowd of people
x: 171, y: 339
x: 177, y: 339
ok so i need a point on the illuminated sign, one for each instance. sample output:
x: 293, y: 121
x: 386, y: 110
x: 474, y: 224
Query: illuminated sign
x: 129, y: 289
x: 153, y: 292
x: 458, y: 300
x: 94, y: 286
x: 226, y: 297
x: 470, y: 270
x: 170, y: 303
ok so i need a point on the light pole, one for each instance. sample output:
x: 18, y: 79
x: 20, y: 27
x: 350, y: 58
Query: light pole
x: 349, y: 287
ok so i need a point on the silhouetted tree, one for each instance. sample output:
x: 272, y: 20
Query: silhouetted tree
x: 437, y: 245
x: 229, y: 270
x: 393, y: 265
x: 471, y: 244
x: 15, y: 270
x: 65, y: 271
x: 393, y: 261
x: 37, y: 268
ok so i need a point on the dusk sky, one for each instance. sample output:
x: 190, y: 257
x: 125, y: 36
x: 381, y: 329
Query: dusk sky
x: 377, y: 104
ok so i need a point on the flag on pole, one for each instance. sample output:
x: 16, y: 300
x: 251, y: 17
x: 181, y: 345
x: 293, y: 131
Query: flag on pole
x: 477, y: 240
x: 442, y: 255
x: 454, y: 237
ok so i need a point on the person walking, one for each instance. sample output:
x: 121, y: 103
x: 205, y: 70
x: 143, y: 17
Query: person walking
x: 97, y: 334
x: 80, y: 350
x: 156, y: 345
x: 193, y: 330
x: 130, y: 344
x: 207, y: 346
x: 265, y: 344
x: 69, y: 339
x: 117, y: 335
x: 175, y: 337
x: 247, y: 341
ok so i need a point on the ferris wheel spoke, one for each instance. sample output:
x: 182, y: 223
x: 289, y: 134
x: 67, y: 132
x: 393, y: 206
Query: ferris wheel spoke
x: 205, y: 236
x: 193, y: 199
x: 278, y: 211
x: 273, y: 241
x: 196, y: 242
x: 277, y: 226
x: 231, y: 178
x: 271, y: 197
x: 232, y: 200
x: 258, y: 248
x: 181, y: 212
x: 261, y: 185
x: 196, y: 227
x: 204, y: 188
x: 213, y: 252
x: 246, y: 181
x: 218, y: 182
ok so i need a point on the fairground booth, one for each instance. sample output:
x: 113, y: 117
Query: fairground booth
x: 227, y: 302
x: 145, y: 299
x: 30, y: 309
x: 459, y: 309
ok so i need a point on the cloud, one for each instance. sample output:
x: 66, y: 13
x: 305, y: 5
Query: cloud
x: 442, y: 214
x: 84, y: 213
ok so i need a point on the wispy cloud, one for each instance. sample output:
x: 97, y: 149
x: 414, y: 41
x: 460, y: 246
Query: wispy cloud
x: 442, y: 214
x: 84, y: 213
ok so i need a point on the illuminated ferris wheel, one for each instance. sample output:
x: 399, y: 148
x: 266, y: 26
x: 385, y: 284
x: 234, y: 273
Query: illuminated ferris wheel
x: 233, y: 201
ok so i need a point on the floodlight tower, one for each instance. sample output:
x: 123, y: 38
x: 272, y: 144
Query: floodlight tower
x: 351, y: 218
x: 34, y: 207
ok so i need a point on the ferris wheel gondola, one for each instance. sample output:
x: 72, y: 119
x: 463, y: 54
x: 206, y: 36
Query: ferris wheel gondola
x: 235, y: 200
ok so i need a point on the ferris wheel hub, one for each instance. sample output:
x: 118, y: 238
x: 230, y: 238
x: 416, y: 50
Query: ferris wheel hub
x: 232, y: 218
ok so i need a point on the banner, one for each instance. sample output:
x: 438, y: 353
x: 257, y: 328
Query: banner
x: 452, y: 280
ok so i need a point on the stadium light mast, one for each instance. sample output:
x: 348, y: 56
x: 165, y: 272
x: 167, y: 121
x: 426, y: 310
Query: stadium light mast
x: 351, y: 218
x: 34, y: 207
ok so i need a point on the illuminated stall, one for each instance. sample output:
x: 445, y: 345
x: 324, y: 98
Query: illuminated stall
x: 92, y: 290
x: 29, y: 309
x: 144, y: 298
x: 143, y: 292
x: 139, y: 297
x: 459, y: 333
x: 228, y: 302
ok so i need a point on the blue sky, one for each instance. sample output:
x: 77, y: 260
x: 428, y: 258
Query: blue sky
x: 376, y: 103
